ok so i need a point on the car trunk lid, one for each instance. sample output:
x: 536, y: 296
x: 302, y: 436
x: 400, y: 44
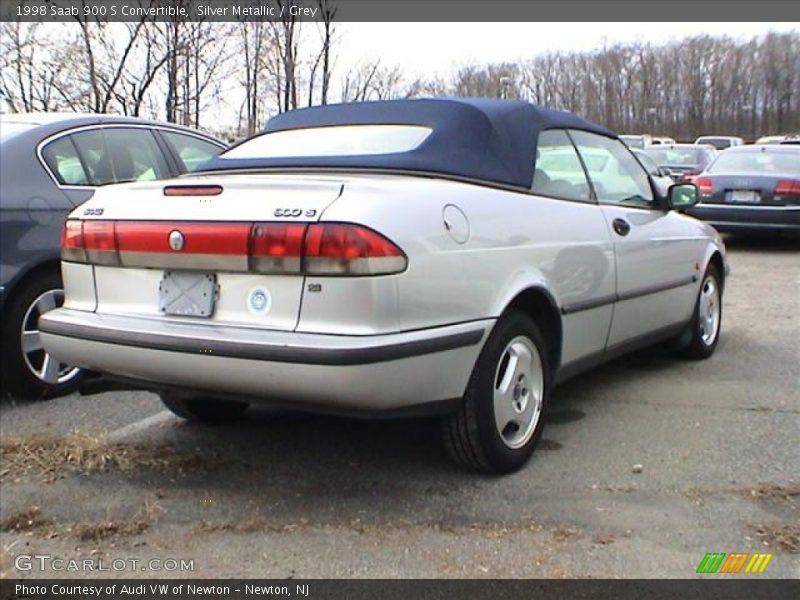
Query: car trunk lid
x: 216, y: 251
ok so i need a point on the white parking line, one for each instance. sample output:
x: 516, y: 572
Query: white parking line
x: 128, y: 430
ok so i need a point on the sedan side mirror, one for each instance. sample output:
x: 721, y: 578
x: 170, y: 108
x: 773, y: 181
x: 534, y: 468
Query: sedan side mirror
x: 682, y: 196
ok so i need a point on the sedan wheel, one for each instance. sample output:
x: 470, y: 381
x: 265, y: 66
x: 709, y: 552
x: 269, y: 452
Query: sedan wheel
x: 700, y: 339
x: 45, y: 367
x: 27, y: 370
x: 499, y: 421
x: 518, y: 392
x: 709, y: 310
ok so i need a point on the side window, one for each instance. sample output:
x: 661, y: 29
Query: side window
x: 91, y: 146
x: 191, y: 151
x: 558, y: 171
x: 615, y: 174
x: 135, y: 155
x: 62, y: 158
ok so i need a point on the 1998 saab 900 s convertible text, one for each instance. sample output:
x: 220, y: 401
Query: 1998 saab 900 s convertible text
x: 391, y: 258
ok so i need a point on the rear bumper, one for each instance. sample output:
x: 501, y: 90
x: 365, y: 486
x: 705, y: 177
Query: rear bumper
x: 726, y: 217
x: 374, y: 373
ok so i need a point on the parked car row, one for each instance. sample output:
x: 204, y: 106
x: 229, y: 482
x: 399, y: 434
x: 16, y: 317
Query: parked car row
x: 742, y: 187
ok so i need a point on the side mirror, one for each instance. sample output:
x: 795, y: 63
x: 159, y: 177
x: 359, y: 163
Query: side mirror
x: 682, y: 196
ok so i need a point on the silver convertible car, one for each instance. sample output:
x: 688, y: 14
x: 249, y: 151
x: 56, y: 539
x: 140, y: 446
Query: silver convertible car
x: 454, y: 257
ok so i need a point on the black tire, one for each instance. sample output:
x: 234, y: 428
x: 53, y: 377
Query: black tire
x: 17, y: 370
x: 471, y: 435
x: 697, y: 346
x: 212, y: 411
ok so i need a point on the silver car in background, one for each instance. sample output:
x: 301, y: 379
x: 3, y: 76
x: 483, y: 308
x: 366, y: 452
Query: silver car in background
x: 436, y: 256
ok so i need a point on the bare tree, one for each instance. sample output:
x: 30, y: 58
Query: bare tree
x: 372, y: 81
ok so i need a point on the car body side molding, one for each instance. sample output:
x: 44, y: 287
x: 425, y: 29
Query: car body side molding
x: 273, y: 353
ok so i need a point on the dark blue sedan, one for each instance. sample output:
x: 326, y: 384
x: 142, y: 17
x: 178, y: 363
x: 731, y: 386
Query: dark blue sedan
x: 751, y: 188
x: 49, y: 164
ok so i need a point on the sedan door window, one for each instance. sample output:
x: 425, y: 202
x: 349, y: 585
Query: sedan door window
x: 616, y: 175
x: 135, y: 155
x: 91, y: 147
x: 116, y: 155
x: 191, y: 151
x: 558, y: 172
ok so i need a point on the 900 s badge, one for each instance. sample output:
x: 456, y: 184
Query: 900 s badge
x: 93, y: 212
x: 295, y: 212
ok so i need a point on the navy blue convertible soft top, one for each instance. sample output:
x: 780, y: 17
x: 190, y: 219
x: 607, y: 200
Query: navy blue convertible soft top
x: 477, y: 139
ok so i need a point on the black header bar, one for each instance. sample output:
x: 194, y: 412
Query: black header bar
x: 402, y: 10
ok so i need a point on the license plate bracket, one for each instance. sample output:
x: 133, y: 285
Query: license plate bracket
x: 187, y: 293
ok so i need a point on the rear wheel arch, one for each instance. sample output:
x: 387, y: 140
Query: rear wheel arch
x: 539, y: 305
x: 45, y: 267
x: 719, y: 263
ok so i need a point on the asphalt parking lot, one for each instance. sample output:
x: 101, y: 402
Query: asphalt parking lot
x: 112, y: 476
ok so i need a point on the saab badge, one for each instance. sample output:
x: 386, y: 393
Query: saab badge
x: 176, y: 240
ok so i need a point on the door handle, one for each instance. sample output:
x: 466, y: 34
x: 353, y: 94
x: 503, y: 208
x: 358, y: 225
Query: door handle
x: 621, y: 226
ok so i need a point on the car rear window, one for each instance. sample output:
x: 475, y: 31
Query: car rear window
x: 674, y: 156
x: 734, y: 163
x: 715, y: 141
x: 337, y: 140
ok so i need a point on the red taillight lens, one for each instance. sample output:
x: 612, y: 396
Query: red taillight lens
x: 705, y: 185
x: 788, y: 188
x: 72, y: 248
x: 347, y: 249
x: 277, y: 247
x: 100, y: 242
x: 213, y: 239
x: 316, y: 249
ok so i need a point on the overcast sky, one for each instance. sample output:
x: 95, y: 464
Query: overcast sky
x: 426, y: 49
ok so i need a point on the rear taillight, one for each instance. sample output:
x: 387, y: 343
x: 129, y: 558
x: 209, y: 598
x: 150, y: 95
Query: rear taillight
x: 271, y: 248
x: 347, y: 249
x: 688, y: 176
x: 705, y: 185
x: 100, y: 242
x: 89, y: 241
x: 72, y: 248
x: 277, y: 247
x: 787, y: 188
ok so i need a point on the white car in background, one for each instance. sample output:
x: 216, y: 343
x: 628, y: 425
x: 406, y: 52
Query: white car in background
x: 639, y: 141
x: 720, y: 142
x: 391, y: 258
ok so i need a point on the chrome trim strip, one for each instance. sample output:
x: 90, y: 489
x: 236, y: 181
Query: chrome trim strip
x: 575, y: 307
x: 655, y: 289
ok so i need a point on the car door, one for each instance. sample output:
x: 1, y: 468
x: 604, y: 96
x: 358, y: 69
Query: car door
x: 656, y: 250
x: 581, y: 267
